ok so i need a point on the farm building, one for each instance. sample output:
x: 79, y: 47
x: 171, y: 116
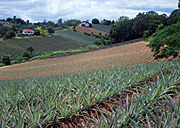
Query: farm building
x: 28, y: 32
x: 84, y: 24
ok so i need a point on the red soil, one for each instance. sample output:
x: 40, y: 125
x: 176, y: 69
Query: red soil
x: 89, y: 30
x: 130, y: 54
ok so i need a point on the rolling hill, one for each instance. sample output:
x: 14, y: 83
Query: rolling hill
x: 130, y: 54
x: 15, y: 47
x: 137, y: 94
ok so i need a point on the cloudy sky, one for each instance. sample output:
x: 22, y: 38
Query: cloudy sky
x: 52, y: 10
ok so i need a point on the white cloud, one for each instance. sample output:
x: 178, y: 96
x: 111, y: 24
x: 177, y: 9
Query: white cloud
x: 37, y: 10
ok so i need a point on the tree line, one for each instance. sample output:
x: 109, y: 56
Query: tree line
x: 166, y: 40
x: 127, y: 29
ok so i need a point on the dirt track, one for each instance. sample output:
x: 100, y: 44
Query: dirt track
x: 130, y: 54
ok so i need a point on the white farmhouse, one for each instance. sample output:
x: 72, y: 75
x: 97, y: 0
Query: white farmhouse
x: 84, y: 24
x: 28, y: 32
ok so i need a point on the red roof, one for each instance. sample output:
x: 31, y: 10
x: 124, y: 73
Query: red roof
x: 84, y: 23
x: 29, y: 30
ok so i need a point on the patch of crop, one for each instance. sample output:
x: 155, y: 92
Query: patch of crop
x: 15, y: 47
x: 76, y: 36
x: 144, y: 95
x: 104, y: 28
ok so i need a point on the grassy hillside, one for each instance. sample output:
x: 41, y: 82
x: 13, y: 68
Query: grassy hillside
x: 138, y: 96
x: 77, y: 37
x: 104, y: 28
x: 14, y: 47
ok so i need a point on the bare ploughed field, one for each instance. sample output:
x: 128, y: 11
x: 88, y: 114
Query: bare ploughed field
x: 89, y: 30
x: 130, y: 54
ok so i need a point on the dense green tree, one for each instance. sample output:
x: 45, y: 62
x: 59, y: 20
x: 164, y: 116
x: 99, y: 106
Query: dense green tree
x: 145, y: 35
x: 6, y: 60
x: 60, y: 22
x: 4, y: 30
x: 173, y: 18
x: 106, y: 22
x: 30, y: 49
x: 27, y: 22
x: 9, y: 19
x: 122, y: 31
x: 95, y: 21
x: 50, y: 23
x: 71, y: 22
x: 123, y: 18
x: 20, y: 31
x: 9, y: 35
x: 166, y: 41
x: 37, y: 31
x: 126, y: 29
x: 50, y: 30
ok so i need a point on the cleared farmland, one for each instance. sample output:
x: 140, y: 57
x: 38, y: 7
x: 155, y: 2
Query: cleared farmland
x: 77, y: 37
x: 15, y: 47
x: 130, y: 54
x: 89, y: 30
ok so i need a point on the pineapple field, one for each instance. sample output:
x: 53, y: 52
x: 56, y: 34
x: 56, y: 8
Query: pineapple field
x: 121, y: 86
x: 145, y: 95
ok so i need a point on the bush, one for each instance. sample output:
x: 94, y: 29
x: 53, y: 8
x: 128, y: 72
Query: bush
x: 26, y: 54
x: 99, y: 42
x: 6, y: 60
x: 22, y: 59
x: 145, y: 35
x: 92, y: 47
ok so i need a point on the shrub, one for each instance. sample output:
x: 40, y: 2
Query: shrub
x: 145, y: 34
x: 99, y: 42
x: 22, y: 59
x: 92, y: 47
x: 26, y: 54
x: 6, y: 60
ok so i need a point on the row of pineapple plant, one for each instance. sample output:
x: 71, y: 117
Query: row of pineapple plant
x: 35, y: 102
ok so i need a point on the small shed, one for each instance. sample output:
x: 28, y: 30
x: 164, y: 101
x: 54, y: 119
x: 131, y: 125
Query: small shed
x: 28, y: 32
